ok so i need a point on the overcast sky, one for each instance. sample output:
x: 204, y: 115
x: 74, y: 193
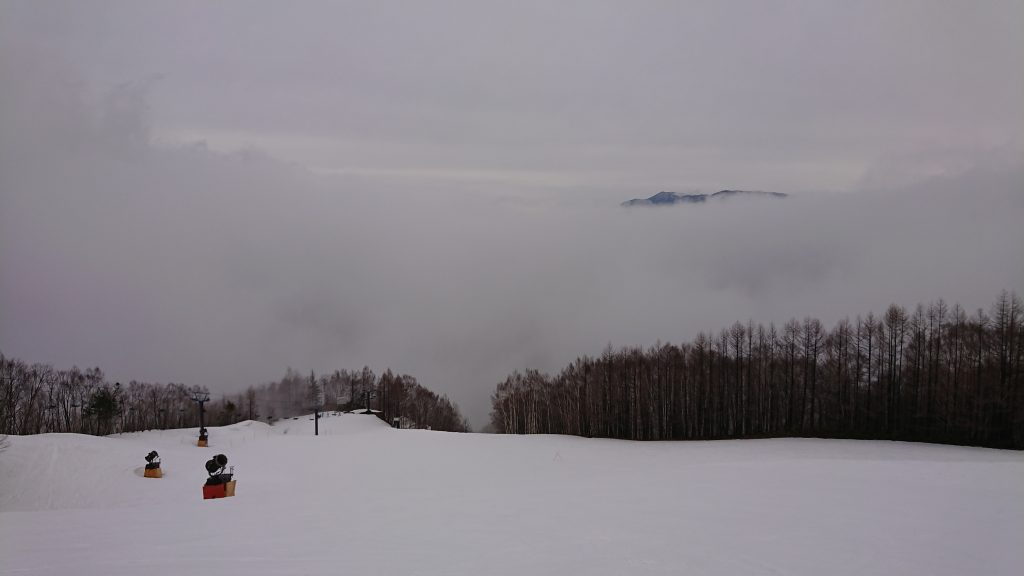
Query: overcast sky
x: 211, y: 192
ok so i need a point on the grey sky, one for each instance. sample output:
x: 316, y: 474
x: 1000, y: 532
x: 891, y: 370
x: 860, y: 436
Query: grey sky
x: 435, y: 186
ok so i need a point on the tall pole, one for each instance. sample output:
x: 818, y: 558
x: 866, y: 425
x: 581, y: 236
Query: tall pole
x: 318, y: 402
x: 76, y: 403
x: 369, y: 395
x: 201, y: 398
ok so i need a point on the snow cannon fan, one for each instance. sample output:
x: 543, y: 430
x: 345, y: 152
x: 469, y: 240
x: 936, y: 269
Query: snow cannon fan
x: 220, y: 483
x: 203, y: 438
x: 153, y: 465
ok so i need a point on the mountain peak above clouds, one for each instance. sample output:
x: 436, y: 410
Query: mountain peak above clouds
x: 669, y: 198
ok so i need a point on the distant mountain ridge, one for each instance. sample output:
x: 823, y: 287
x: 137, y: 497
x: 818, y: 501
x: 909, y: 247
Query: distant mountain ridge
x: 667, y: 198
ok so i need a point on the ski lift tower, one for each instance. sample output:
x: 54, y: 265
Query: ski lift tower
x: 317, y: 409
x: 201, y: 397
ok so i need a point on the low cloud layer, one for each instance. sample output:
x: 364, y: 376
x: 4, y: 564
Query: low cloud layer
x: 168, y: 261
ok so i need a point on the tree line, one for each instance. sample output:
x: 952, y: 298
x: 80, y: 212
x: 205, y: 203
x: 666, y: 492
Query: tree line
x: 37, y: 398
x: 936, y: 374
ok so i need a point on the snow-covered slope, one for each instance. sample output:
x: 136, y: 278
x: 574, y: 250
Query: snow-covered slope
x: 363, y: 498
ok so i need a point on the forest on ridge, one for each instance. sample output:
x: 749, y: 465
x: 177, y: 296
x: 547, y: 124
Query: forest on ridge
x: 934, y: 374
x: 37, y: 398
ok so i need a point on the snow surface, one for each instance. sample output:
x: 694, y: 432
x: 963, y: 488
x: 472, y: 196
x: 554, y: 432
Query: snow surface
x: 366, y: 499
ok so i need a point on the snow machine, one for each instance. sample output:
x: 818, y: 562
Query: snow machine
x: 153, y: 466
x: 220, y: 484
